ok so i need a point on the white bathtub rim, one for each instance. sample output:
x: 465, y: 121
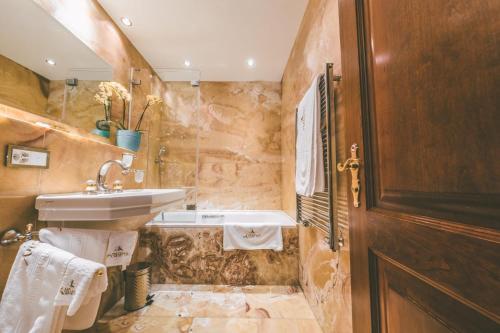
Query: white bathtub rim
x: 291, y: 223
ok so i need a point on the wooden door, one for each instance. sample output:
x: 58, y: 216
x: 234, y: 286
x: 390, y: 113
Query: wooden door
x: 421, y: 82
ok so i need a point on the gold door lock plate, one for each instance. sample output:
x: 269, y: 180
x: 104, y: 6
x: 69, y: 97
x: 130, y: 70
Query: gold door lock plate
x: 353, y: 164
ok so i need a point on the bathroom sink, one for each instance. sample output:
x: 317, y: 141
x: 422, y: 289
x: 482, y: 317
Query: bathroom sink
x: 82, y: 206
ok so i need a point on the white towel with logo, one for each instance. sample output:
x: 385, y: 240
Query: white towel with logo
x: 309, y: 173
x: 83, y: 280
x: 80, y: 294
x: 95, y: 245
x: 35, y: 279
x: 121, y: 247
x: 111, y: 248
x: 252, y: 237
x: 84, y: 243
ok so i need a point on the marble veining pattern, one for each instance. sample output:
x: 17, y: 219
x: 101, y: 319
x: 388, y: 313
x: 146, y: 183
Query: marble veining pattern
x: 195, y: 255
x: 324, y: 275
x: 235, y: 127
x: 216, y: 308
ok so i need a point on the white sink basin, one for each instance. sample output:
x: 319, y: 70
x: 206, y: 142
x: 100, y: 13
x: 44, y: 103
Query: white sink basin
x: 107, y: 206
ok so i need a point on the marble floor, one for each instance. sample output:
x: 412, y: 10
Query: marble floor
x: 216, y: 309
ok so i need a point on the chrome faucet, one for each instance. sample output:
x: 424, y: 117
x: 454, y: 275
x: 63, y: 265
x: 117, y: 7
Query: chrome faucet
x: 125, y: 164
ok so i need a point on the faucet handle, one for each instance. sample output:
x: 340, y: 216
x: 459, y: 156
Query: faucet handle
x: 91, y: 186
x: 117, y: 186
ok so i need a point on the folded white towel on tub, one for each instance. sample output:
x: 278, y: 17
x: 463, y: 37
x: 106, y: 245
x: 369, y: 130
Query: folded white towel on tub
x: 252, y: 237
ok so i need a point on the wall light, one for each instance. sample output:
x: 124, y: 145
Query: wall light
x: 126, y: 21
x: 251, y: 62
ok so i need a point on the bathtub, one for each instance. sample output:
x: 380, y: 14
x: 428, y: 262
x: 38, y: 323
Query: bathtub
x: 217, y: 218
x: 187, y: 247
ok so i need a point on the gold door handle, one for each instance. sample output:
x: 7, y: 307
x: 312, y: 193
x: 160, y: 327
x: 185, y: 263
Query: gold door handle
x: 353, y: 164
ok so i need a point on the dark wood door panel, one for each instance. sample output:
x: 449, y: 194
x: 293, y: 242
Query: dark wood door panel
x: 422, y: 101
x: 433, y: 71
x: 457, y: 264
x: 476, y: 209
x: 408, y: 304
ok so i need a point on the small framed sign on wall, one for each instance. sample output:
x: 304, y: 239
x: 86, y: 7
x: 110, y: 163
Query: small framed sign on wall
x: 26, y: 157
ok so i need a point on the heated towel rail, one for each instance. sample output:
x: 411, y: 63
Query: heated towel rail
x: 320, y: 210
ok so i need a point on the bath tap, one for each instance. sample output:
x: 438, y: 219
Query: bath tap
x: 125, y: 164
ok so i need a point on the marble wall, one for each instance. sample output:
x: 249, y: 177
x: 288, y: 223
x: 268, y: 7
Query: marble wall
x: 196, y: 256
x: 235, y: 127
x: 75, y: 155
x: 324, y: 274
x: 23, y: 89
x: 28, y: 91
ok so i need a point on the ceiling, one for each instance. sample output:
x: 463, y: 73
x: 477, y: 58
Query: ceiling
x: 29, y: 36
x: 216, y: 36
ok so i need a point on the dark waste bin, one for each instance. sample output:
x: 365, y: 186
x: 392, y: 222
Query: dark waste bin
x: 137, y: 286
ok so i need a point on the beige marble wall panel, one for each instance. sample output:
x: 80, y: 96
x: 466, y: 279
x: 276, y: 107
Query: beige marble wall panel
x: 240, y: 121
x: 235, y: 126
x: 23, y: 89
x: 195, y: 255
x: 324, y: 275
x: 75, y: 153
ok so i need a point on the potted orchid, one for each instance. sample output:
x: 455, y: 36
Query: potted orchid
x: 131, y: 139
x: 125, y: 137
x: 104, y: 96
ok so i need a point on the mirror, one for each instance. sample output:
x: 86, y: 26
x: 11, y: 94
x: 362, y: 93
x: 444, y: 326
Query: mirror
x: 46, y: 70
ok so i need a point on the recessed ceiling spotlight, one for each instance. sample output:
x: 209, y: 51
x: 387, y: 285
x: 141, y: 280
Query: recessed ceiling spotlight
x: 125, y: 20
x: 251, y: 62
x: 50, y: 62
x: 187, y: 63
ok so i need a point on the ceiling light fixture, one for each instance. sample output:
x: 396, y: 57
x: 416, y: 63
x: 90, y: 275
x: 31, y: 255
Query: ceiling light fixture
x: 187, y: 63
x: 251, y: 62
x: 50, y: 62
x: 126, y: 21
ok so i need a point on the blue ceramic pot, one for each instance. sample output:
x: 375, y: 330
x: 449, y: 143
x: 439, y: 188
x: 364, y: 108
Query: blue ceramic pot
x: 128, y: 139
x: 101, y: 132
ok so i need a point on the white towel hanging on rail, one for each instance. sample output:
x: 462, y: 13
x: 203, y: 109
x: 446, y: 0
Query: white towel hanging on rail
x: 309, y: 173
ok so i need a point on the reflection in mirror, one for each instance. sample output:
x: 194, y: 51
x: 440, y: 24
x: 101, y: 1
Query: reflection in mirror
x: 45, y: 69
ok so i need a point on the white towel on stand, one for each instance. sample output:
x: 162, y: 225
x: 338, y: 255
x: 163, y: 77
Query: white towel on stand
x: 27, y: 304
x: 77, y: 301
x: 95, y: 245
x: 309, y: 173
x: 121, y: 247
x: 111, y: 248
x: 85, y: 243
x: 252, y: 237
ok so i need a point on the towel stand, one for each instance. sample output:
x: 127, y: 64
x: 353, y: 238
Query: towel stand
x: 12, y: 236
x: 319, y: 210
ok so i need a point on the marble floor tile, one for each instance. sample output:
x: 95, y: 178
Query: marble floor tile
x: 216, y: 309
x: 225, y: 325
x: 133, y: 324
x: 272, y: 305
x: 289, y: 326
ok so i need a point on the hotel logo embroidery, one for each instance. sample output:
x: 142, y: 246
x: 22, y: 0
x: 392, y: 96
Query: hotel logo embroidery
x: 69, y: 290
x: 118, y: 253
x: 251, y: 234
